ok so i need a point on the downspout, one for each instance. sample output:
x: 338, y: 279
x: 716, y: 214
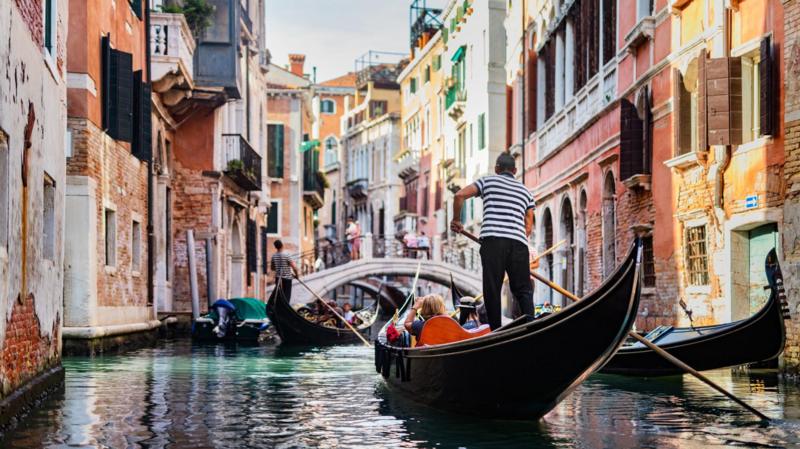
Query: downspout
x: 151, y: 238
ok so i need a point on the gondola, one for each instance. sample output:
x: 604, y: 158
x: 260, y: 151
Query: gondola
x: 523, y: 369
x: 758, y: 338
x: 294, y: 329
x: 236, y: 319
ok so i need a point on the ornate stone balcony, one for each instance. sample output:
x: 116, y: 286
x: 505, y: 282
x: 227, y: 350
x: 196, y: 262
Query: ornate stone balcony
x: 172, y: 50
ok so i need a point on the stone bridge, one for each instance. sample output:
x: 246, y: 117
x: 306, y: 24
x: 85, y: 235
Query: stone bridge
x: 325, y: 281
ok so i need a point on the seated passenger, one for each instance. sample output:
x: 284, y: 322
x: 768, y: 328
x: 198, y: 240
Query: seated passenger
x: 469, y: 318
x: 428, y: 307
x: 347, y: 312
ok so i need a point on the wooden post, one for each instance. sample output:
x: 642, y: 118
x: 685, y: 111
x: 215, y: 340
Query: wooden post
x: 192, y: 275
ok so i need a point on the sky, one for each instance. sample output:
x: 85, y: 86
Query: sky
x: 334, y: 33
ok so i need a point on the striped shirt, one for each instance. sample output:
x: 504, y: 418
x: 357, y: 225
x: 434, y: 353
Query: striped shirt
x: 505, y: 203
x: 280, y: 264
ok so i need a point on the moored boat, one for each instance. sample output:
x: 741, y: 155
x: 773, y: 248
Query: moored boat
x: 758, y: 338
x: 235, y: 319
x: 523, y: 369
x: 295, y: 329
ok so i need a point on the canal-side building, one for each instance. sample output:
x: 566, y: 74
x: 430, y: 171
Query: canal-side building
x: 218, y: 188
x: 293, y: 169
x: 106, y: 253
x: 421, y: 157
x: 33, y: 141
x: 371, y: 137
x: 330, y: 103
x: 790, y: 53
x: 474, y: 109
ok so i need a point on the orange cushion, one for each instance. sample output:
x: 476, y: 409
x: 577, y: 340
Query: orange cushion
x: 443, y: 329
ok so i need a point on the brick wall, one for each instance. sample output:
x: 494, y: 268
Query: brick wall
x: 122, y: 186
x: 791, y: 208
x: 31, y: 11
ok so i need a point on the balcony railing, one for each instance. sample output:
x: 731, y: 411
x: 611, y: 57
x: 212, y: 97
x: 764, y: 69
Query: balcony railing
x: 313, y: 182
x: 171, y: 45
x: 242, y: 162
x: 357, y: 188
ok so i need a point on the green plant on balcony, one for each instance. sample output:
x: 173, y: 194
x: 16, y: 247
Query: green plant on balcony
x: 198, y: 13
x: 235, y: 165
x: 323, y: 179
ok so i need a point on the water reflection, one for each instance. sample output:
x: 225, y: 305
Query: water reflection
x: 180, y: 395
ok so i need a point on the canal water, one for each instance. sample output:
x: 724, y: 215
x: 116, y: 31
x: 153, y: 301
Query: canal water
x: 181, y: 395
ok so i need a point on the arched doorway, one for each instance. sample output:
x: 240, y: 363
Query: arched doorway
x: 547, y: 263
x: 583, y: 277
x: 609, y: 225
x: 567, y: 232
x: 235, y: 281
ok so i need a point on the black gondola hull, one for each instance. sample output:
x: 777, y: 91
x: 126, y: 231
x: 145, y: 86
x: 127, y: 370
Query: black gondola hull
x: 293, y: 329
x: 523, y: 371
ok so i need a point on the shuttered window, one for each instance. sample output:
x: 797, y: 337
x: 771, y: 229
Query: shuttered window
x: 136, y: 6
x: 631, y: 141
x: 273, y: 218
x: 141, y: 146
x: 413, y: 85
x: 482, y: 131
x: 251, y: 249
x: 117, y: 92
x: 264, y: 251
x: 437, y: 60
x: 275, y: 150
x: 769, y: 92
x: 724, y: 101
x: 609, y: 30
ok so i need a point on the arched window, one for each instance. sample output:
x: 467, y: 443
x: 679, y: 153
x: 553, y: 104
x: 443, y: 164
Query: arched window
x: 331, y: 150
x: 328, y: 106
x: 567, y: 232
x: 547, y: 234
x: 609, y: 225
x: 583, y: 272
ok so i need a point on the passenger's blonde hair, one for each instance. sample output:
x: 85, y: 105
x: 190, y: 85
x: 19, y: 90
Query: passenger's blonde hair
x: 432, y: 305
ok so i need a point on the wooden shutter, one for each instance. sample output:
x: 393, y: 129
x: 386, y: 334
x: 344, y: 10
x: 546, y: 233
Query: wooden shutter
x: 117, y: 92
x: 550, y: 78
x: 577, y: 13
x: 609, y: 21
x: 702, y: 103
x: 252, y: 254
x: 593, y: 38
x: 677, y: 101
x: 631, y: 142
x: 647, y: 133
x: 530, y: 92
x: 264, y: 248
x: 136, y: 6
x: 141, y: 147
x: 767, y: 90
x: 724, y: 101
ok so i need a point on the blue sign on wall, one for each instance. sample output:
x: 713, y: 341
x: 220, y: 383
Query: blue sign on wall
x: 751, y: 202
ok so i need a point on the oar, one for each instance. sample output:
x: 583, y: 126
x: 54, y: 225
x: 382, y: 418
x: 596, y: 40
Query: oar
x: 669, y: 357
x: 548, y: 250
x: 366, y: 343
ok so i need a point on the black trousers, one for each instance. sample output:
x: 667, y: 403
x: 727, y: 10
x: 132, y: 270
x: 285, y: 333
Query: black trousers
x: 286, y: 287
x: 501, y: 256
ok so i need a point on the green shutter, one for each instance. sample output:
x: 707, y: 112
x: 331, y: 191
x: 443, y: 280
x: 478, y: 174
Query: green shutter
x: 272, y: 218
x: 445, y: 34
x: 413, y: 85
x: 426, y: 74
x: 275, y: 146
x: 459, y: 14
x: 437, y: 63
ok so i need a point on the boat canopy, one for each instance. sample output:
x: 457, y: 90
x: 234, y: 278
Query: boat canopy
x: 245, y: 308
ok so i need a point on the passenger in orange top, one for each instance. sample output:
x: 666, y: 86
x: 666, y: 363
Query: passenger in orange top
x: 428, y: 307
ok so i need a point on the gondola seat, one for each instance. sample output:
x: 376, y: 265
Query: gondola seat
x: 443, y: 329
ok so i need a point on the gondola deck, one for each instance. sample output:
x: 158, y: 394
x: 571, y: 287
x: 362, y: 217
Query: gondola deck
x: 523, y: 369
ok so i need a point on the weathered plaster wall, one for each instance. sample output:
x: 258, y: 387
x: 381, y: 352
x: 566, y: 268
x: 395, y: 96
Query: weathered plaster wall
x: 32, y: 126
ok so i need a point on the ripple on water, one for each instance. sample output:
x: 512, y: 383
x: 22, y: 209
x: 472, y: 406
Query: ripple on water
x: 180, y: 395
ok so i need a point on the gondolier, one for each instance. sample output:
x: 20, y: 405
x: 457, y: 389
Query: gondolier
x: 507, y: 223
x: 283, y: 267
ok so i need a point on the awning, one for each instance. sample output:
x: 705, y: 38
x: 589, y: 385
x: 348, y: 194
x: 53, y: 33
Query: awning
x: 459, y: 54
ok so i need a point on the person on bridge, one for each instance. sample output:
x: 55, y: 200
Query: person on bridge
x: 507, y: 224
x: 283, y: 267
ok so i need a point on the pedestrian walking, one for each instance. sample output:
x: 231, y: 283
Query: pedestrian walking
x: 507, y: 224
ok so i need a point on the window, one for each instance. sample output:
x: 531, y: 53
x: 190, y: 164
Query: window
x: 117, y: 92
x: 273, y: 218
x: 168, y: 231
x: 136, y: 246
x: 49, y: 218
x: 377, y: 108
x: 413, y: 85
x: 275, y: 151
x: 136, y: 6
x: 264, y: 249
x: 644, y: 8
x: 426, y: 74
x: 50, y: 12
x: 751, y: 104
x: 696, y: 255
x: 110, y: 217
x: 437, y: 63
x: 328, y: 106
x: 331, y: 151
x: 609, y: 30
x: 686, y: 118
x: 649, y: 262
x: 482, y: 131
x: 4, y: 207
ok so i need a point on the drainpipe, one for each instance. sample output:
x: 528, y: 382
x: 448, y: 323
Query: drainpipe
x: 151, y: 238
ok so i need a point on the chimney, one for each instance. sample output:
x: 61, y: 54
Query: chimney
x: 296, y: 64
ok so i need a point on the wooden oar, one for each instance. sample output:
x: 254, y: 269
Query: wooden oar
x: 366, y: 343
x: 669, y: 357
x: 548, y: 250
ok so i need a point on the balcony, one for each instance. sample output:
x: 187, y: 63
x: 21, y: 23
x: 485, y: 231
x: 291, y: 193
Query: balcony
x: 313, y: 181
x: 455, y: 101
x: 242, y: 162
x: 172, y: 51
x: 407, y: 163
x: 357, y: 188
x: 245, y: 15
x: 217, y: 62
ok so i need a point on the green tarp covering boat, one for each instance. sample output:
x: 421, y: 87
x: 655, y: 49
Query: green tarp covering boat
x: 246, y: 309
